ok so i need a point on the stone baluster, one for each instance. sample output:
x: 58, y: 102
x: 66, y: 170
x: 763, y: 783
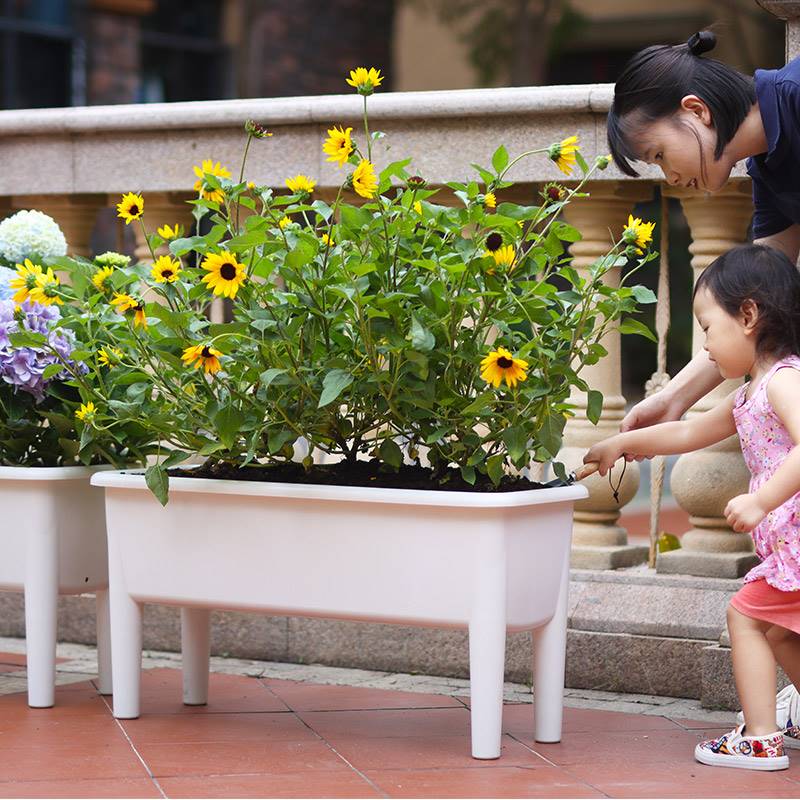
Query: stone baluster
x: 598, y: 541
x: 75, y: 214
x: 703, y: 482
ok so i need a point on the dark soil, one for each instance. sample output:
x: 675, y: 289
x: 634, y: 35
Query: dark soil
x: 360, y: 473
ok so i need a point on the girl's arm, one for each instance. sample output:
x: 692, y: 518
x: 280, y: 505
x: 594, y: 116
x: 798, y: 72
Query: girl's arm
x: 700, y: 431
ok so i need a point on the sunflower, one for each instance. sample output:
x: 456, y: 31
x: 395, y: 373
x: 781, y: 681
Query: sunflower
x: 25, y: 282
x: 225, y: 273
x: 46, y: 289
x: 86, y: 412
x: 109, y: 357
x: 553, y: 192
x: 637, y: 233
x: 490, y: 200
x: 364, y: 181
x: 208, y: 167
x: 501, y: 366
x: 494, y: 241
x: 203, y: 355
x: 418, y: 207
x: 327, y: 240
x: 168, y: 232
x: 300, y: 184
x: 338, y: 145
x: 101, y: 276
x: 131, y: 207
x: 284, y: 223
x: 125, y: 303
x: 504, y: 256
x: 166, y: 270
x: 563, y: 153
x: 365, y: 80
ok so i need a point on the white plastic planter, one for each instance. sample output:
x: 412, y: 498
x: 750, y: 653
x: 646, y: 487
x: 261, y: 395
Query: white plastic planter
x: 52, y: 542
x: 488, y: 562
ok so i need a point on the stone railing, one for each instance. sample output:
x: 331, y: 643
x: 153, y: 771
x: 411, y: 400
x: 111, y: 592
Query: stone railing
x: 71, y: 163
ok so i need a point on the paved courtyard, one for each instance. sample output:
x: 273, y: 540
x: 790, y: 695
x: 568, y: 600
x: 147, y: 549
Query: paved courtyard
x: 283, y: 730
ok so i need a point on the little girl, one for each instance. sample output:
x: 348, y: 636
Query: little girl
x: 747, y: 304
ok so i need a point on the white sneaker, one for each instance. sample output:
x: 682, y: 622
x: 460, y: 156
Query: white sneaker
x: 744, y: 752
x: 787, y: 715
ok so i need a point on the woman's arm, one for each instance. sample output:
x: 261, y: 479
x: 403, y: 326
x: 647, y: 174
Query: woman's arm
x: 787, y: 240
x: 667, y: 438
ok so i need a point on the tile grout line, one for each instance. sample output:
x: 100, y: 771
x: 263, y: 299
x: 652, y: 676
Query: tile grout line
x: 132, y: 746
x: 355, y: 769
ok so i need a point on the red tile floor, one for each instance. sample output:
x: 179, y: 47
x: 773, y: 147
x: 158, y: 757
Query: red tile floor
x: 264, y: 737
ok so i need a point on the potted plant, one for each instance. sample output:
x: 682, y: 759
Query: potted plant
x: 425, y: 350
x: 53, y: 537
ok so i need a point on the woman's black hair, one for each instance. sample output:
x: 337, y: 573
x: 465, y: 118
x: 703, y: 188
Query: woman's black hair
x: 655, y: 81
x: 766, y: 276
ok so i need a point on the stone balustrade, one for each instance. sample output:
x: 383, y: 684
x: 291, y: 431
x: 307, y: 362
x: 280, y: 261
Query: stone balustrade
x: 73, y: 162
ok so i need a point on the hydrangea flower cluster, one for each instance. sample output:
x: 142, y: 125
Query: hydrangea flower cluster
x: 6, y: 275
x: 23, y: 367
x: 29, y: 233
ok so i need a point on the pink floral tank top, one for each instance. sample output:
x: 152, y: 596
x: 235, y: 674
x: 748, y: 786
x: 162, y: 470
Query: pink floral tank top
x: 765, y: 444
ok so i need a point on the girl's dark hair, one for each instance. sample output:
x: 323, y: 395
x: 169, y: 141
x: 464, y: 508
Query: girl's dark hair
x: 768, y: 278
x: 655, y: 81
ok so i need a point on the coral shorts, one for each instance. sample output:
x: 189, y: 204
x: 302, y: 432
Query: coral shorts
x: 760, y: 600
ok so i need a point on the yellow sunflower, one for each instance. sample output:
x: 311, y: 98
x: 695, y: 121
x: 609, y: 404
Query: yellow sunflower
x: 327, y: 240
x: 125, y: 303
x: 490, y: 200
x: 284, y: 223
x: 101, y: 276
x: 166, y: 270
x: 300, y: 184
x: 168, y: 232
x: 209, y: 167
x: 46, y: 289
x: 365, y: 182
x: 86, y: 412
x: 131, y: 207
x: 365, y: 80
x: 202, y: 355
x: 109, y: 357
x: 504, y: 256
x: 25, y: 281
x: 225, y: 273
x: 638, y: 233
x: 501, y: 366
x: 418, y: 207
x: 563, y: 153
x: 338, y: 145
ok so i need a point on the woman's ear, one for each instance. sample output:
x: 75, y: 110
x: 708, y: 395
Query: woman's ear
x: 694, y: 105
x: 748, y: 315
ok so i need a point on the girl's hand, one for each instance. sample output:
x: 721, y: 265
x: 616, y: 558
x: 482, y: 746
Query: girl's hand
x: 744, y: 512
x: 650, y: 411
x: 604, y: 454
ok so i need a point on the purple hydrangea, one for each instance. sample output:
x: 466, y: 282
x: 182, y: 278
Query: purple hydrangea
x: 23, y: 367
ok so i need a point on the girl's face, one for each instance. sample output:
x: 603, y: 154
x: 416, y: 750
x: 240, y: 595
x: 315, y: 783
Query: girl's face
x: 683, y: 146
x: 729, y: 341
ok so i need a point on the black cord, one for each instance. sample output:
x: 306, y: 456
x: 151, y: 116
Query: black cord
x: 614, y: 491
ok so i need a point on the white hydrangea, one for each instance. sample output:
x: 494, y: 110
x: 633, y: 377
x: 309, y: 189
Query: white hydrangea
x: 30, y: 232
x: 6, y: 276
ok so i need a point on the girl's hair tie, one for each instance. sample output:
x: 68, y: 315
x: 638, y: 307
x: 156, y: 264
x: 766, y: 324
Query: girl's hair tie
x: 701, y: 42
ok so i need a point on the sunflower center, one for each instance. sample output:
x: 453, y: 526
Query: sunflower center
x: 493, y: 242
x: 504, y: 363
x: 227, y: 271
x: 206, y: 352
x: 134, y: 209
x: 167, y: 273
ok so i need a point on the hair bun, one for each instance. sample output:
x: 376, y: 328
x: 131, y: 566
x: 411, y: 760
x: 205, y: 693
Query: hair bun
x: 701, y: 42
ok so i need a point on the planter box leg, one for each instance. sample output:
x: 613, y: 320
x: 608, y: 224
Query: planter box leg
x: 103, y: 642
x: 41, y: 617
x: 126, y: 651
x: 487, y: 656
x: 549, y: 657
x: 195, y: 646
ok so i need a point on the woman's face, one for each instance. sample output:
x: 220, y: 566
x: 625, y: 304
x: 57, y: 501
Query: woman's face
x: 683, y: 146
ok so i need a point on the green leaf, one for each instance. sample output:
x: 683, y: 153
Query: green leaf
x: 175, y: 457
x: 333, y: 384
x: 390, y: 453
x: 247, y: 240
x: 516, y: 440
x: 27, y: 339
x: 227, y: 422
x: 300, y: 255
x: 51, y: 370
x: 179, y: 247
x: 355, y: 217
x: 630, y: 325
x: 494, y: 468
x: 550, y: 432
x: 157, y: 482
x: 479, y: 403
x: 500, y: 159
x: 269, y: 375
x: 643, y: 294
x: 594, y: 405
x: 468, y: 474
x: 421, y: 338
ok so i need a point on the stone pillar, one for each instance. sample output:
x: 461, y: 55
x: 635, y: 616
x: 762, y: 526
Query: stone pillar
x: 75, y: 214
x: 788, y: 10
x: 703, y: 482
x: 161, y: 208
x: 598, y: 542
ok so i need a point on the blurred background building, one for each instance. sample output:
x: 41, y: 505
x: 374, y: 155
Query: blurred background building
x: 94, y: 52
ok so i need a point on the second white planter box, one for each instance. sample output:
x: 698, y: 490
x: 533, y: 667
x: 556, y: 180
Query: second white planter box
x: 488, y: 562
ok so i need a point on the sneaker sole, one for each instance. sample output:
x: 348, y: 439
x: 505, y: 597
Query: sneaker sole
x: 740, y: 762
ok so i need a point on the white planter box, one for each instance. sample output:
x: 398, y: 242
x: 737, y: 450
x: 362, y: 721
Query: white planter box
x: 53, y: 541
x: 488, y: 562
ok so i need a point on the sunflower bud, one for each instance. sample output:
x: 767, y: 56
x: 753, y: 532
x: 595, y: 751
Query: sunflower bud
x: 308, y: 462
x: 554, y: 192
x: 254, y: 128
x: 603, y: 161
x: 416, y: 182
